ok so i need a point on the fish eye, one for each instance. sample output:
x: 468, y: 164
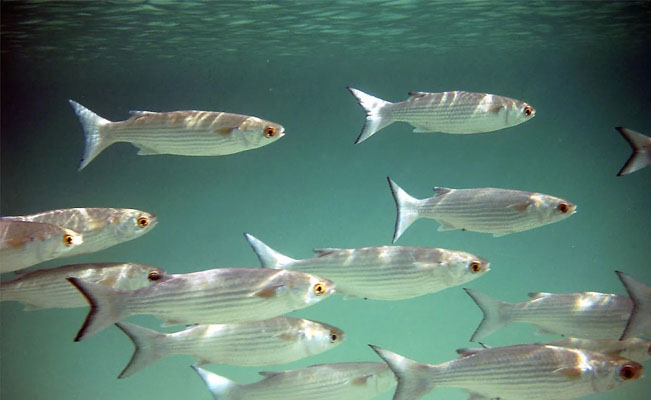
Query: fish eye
x: 154, y: 275
x: 143, y: 222
x: 627, y: 372
x: 319, y: 289
x: 270, y: 131
x: 333, y: 337
x: 563, y: 208
x: 528, y: 110
x: 68, y: 240
x: 475, y: 266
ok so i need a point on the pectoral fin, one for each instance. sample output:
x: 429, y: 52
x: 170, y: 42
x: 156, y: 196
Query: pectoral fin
x: 267, y: 292
x: 445, y: 226
x: 570, y: 372
x: 225, y: 131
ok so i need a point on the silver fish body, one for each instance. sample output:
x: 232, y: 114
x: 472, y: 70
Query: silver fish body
x: 487, y: 210
x: 339, y: 381
x: 273, y: 341
x: 223, y: 295
x: 636, y: 349
x: 49, y: 288
x: 522, y: 372
x: 101, y: 227
x: 384, y: 272
x: 641, y: 146
x: 586, y: 315
x: 23, y: 244
x: 639, y: 323
x: 189, y: 133
x: 455, y: 112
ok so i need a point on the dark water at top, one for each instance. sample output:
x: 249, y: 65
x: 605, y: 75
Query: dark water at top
x: 584, y: 66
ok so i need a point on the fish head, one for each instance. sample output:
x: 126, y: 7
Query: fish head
x: 129, y: 224
x: 609, y: 373
x: 551, y: 209
x: 256, y: 132
x: 463, y: 267
x: 521, y: 112
x: 319, y: 336
x: 310, y: 290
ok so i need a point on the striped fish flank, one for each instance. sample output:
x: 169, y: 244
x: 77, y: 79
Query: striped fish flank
x: 455, y: 112
x: 48, y: 288
x: 586, y: 315
x: 101, y: 227
x: 277, y: 340
x: 636, y: 349
x: 223, y: 295
x: 188, y: 133
x: 384, y: 272
x: 486, y: 210
x: 23, y: 244
x: 521, y: 372
x: 339, y: 381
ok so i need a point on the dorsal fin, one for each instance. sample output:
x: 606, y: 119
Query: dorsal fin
x: 439, y: 190
x: 465, y: 352
x: 415, y: 95
x: 269, y: 374
x: 325, y: 251
x: 535, y: 295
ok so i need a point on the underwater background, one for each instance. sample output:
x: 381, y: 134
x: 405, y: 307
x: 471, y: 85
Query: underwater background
x: 584, y: 66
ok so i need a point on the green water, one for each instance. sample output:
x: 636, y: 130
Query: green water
x: 584, y: 66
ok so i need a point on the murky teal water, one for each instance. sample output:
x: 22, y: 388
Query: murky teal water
x: 584, y: 66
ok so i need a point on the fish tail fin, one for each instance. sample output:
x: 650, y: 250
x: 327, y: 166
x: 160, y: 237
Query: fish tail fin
x: 376, y: 115
x: 95, y: 141
x: 106, y: 307
x: 220, y: 387
x: 640, y: 144
x: 638, y: 323
x: 497, y: 314
x: 269, y: 258
x: 406, y: 208
x: 414, y: 378
x: 149, y: 347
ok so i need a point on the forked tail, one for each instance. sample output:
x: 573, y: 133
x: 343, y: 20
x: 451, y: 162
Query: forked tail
x: 414, y: 378
x: 221, y: 388
x: 92, y: 124
x: 149, y: 347
x: 377, y: 116
x: 497, y: 314
x: 269, y: 258
x: 641, y: 146
x: 406, y: 208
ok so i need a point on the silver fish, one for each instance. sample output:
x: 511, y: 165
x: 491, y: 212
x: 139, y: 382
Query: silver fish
x: 488, y: 210
x: 48, y: 288
x: 223, y: 295
x: 527, y: 372
x: 23, y: 244
x: 639, y: 322
x: 101, y: 227
x: 188, y: 133
x: 277, y: 340
x: 340, y: 381
x: 636, y: 349
x: 454, y: 112
x: 586, y: 315
x: 641, y: 146
x: 382, y: 273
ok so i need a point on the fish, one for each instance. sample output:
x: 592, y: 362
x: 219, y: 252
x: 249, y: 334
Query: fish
x: 338, y: 381
x: 641, y: 146
x: 48, y: 288
x: 187, y: 133
x: 530, y: 371
x: 23, y: 244
x: 455, y: 112
x: 487, y: 210
x: 384, y: 272
x: 639, y: 323
x: 586, y: 315
x: 277, y: 340
x: 636, y: 349
x: 101, y: 227
x: 222, y: 295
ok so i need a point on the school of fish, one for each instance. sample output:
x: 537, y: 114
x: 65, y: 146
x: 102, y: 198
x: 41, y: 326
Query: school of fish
x: 236, y: 315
